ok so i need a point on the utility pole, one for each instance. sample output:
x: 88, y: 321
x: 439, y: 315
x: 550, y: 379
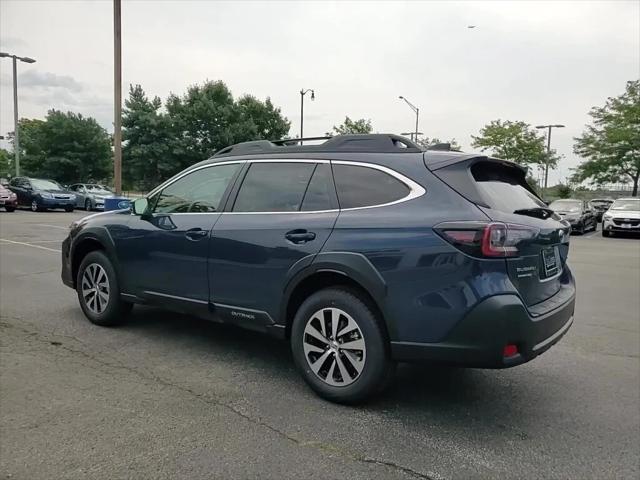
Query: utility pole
x: 117, y: 110
x: 16, y: 132
x: 546, y: 166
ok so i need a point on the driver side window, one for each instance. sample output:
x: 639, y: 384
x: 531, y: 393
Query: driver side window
x: 197, y: 192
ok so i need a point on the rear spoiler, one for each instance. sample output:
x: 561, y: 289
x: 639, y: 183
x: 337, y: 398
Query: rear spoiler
x: 435, y: 160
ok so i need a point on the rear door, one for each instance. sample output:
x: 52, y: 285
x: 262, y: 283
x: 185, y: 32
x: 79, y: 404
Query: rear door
x: 500, y: 190
x: 281, y: 216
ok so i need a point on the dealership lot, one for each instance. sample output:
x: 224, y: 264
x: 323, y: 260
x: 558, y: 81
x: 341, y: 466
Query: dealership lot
x: 168, y: 396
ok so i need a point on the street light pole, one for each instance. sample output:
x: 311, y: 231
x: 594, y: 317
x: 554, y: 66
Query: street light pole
x: 303, y: 92
x: 16, y: 132
x: 546, y: 166
x: 117, y: 110
x: 417, y: 112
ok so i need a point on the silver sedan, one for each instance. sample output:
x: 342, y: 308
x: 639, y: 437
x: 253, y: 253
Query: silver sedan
x: 90, y: 196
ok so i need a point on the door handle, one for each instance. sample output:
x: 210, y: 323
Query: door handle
x: 300, y: 236
x: 195, y: 234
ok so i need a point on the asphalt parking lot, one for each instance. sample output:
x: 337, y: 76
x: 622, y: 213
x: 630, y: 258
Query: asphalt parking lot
x: 168, y: 396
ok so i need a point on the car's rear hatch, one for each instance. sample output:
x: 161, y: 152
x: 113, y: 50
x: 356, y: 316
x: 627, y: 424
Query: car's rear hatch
x: 499, y: 189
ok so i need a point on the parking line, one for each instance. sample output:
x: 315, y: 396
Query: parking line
x: 51, y: 226
x: 30, y: 245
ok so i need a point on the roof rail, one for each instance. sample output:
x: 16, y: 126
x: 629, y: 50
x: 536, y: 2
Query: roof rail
x: 372, y: 143
x: 441, y: 147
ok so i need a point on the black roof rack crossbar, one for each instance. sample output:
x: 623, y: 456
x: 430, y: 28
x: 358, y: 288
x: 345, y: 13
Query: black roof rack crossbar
x: 371, y: 143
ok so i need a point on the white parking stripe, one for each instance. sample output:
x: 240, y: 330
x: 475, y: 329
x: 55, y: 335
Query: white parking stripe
x: 30, y: 245
x: 51, y: 226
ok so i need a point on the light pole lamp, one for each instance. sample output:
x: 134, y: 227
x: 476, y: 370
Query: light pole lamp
x: 546, y: 167
x: 16, y: 138
x: 417, y: 112
x: 303, y: 92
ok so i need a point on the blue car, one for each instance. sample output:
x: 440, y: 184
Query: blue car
x: 362, y: 252
x: 41, y: 194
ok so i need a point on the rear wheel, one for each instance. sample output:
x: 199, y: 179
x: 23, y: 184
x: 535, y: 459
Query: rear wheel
x: 99, y: 291
x: 340, y: 347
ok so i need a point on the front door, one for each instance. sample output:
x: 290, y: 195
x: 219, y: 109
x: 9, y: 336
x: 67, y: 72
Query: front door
x: 282, y: 216
x: 164, y: 254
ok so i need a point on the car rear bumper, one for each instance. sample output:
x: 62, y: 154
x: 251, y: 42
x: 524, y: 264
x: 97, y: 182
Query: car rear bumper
x: 480, y: 337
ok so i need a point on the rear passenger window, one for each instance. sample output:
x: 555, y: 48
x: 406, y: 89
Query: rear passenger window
x: 320, y: 191
x: 274, y: 187
x: 364, y: 186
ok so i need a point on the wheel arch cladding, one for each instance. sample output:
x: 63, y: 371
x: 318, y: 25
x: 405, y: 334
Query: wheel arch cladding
x: 89, y: 241
x: 325, y: 273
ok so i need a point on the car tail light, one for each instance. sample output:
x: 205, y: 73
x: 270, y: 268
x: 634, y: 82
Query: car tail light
x: 489, y: 240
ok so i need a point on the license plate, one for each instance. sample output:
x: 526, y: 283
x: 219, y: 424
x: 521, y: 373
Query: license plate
x: 550, y: 261
x: 626, y: 225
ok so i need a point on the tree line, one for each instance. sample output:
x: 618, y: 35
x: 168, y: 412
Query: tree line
x: 160, y: 139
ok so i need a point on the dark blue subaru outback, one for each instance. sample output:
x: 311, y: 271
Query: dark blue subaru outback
x: 361, y: 251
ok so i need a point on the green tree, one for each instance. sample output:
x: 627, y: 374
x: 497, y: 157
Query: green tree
x: 6, y: 163
x: 349, y: 127
x: 611, y: 146
x: 148, y: 141
x: 207, y: 118
x: 67, y: 147
x: 514, y: 141
x: 564, y: 190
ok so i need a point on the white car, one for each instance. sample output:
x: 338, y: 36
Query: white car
x: 623, y: 216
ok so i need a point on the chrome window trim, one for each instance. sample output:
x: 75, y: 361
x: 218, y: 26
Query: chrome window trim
x: 415, y: 190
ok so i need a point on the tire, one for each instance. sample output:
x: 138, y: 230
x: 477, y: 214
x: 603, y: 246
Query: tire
x: 87, y: 205
x: 68, y: 209
x: 10, y: 209
x: 35, y: 206
x: 98, y: 266
x: 376, y: 369
x: 605, y: 233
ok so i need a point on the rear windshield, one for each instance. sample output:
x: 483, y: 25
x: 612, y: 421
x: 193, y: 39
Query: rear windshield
x: 504, y: 188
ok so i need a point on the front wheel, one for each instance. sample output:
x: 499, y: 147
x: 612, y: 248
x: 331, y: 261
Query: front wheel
x: 99, y: 291
x: 339, y: 346
x: 68, y: 209
x: 10, y: 209
x: 87, y: 205
x: 605, y: 233
x: 35, y: 206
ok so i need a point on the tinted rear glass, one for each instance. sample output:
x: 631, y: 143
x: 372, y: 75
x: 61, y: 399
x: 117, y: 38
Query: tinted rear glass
x: 363, y: 186
x: 504, y: 188
x: 319, y: 195
x: 273, y: 187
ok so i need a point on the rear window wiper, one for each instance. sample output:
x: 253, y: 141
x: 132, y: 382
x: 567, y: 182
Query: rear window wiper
x: 537, y: 212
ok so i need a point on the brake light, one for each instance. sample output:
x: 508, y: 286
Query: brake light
x: 489, y: 240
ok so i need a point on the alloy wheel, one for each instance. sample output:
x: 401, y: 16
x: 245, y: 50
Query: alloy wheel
x: 334, y: 347
x: 95, y: 288
x: 34, y: 206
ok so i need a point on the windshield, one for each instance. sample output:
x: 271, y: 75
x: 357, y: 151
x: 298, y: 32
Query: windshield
x: 631, y: 204
x: 566, y: 206
x: 601, y: 203
x: 39, y: 184
x: 97, y: 189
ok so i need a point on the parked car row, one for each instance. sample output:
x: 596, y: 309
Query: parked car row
x: 621, y: 215
x: 41, y: 194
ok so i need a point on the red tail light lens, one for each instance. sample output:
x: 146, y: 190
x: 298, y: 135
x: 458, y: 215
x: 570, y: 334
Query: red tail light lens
x: 491, y: 240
